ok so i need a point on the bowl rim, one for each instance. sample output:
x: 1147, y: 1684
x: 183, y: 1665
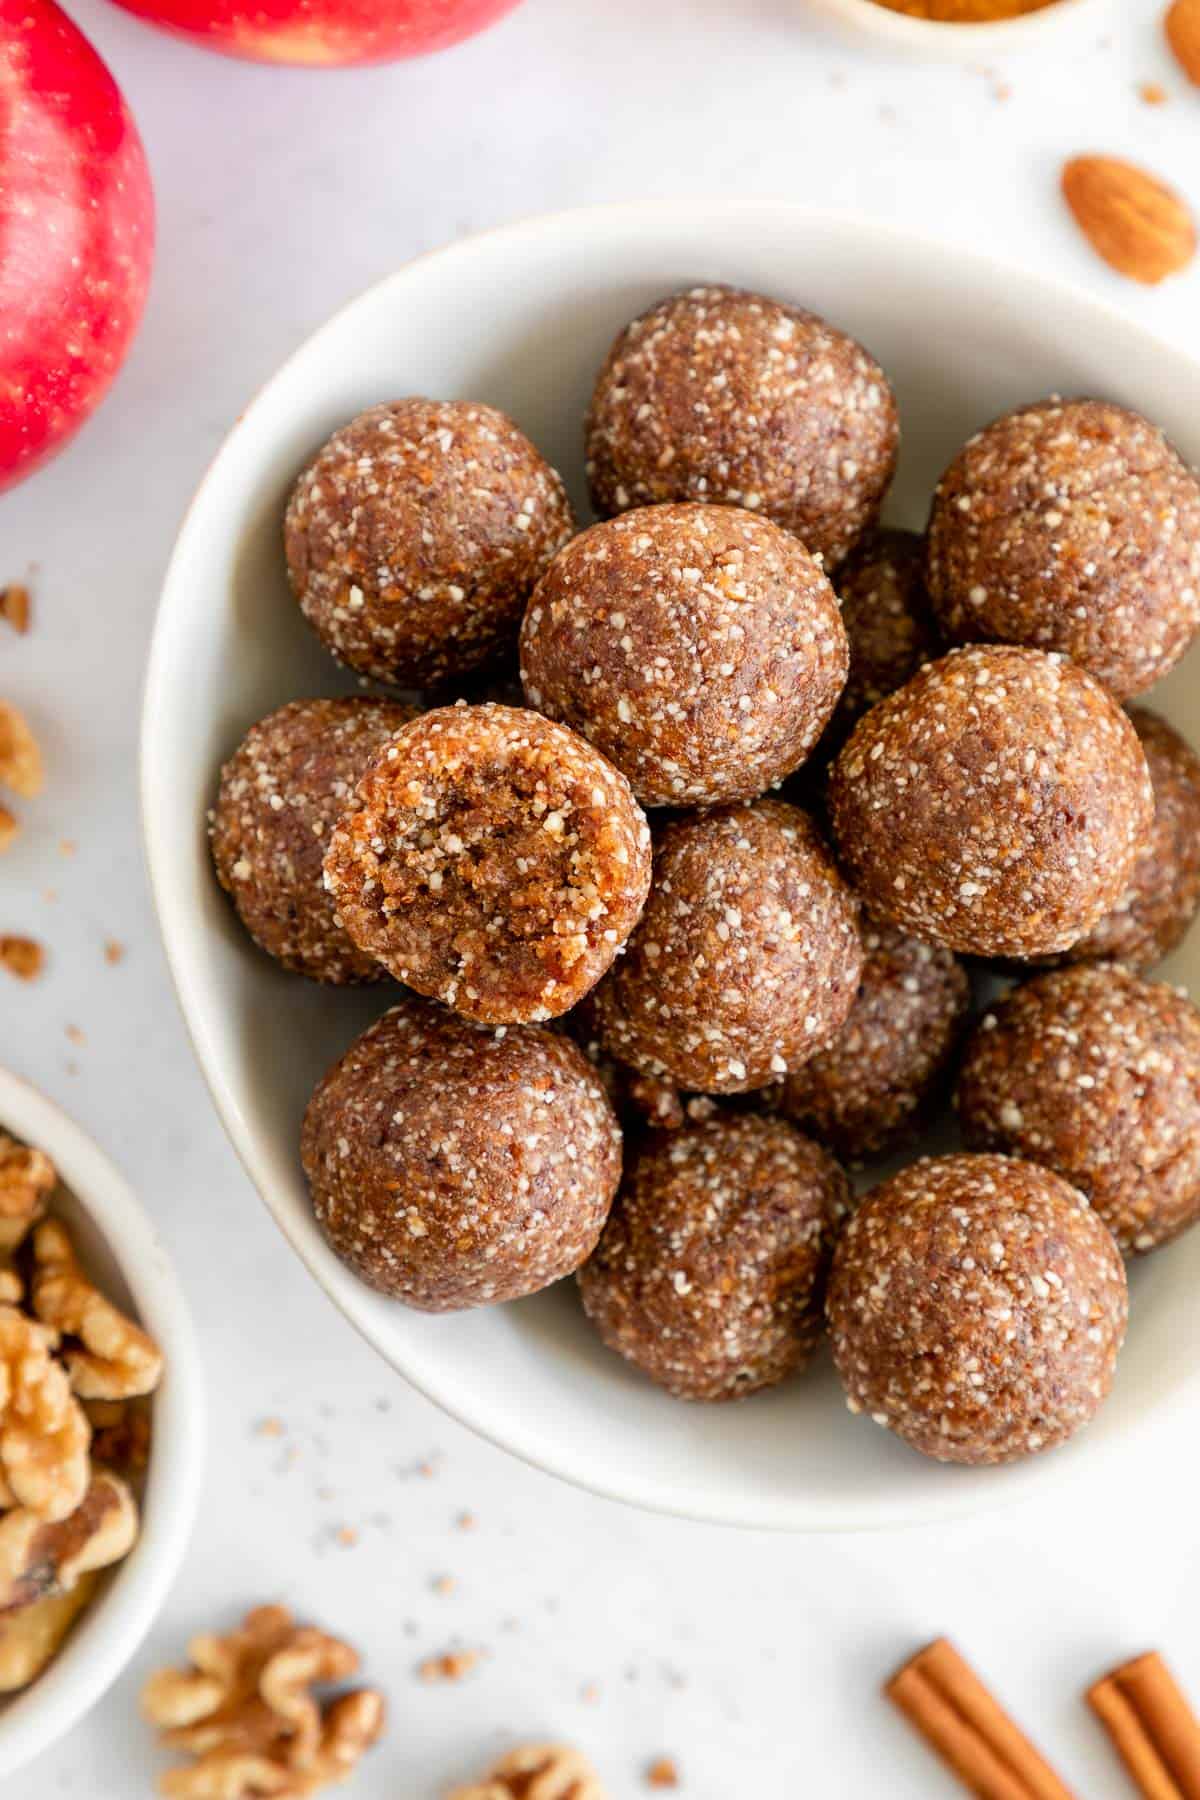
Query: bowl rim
x: 955, y: 39
x: 112, y: 1628
x: 1020, y: 1481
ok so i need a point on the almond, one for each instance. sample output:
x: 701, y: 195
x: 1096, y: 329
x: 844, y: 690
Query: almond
x: 1137, y: 224
x: 1183, y: 35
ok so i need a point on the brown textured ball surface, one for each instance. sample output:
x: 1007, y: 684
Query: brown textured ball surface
x: 885, y: 610
x: 493, y: 860
x: 699, y: 647
x: 1159, y: 904
x: 451, y: 1166
x: 280, y: 796
x: 868, y: 1088
x: 417, y: 534
x: 747, y: 957
x: 723, y: 396
x: 710, y: 1272
x: 995, y: 804
x: 1095, y: 1073
x: 1071, y: 525
x: 976, y: 1308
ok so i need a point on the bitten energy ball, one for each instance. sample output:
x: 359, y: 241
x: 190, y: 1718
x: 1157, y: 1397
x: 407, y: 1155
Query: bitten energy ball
x: 747, y: 957
x: 1071, y: 525
x: 451, y: 1166
x: 726, y: 397
x: 1153, y: 914
x: 976, y: 1308
x: 710, y: 1271
x: 418, y: 533
x: 995, y: 804
x: 867, y: 1089
x: 281, y: 794
x: 493, y: 860
x: 885, y: 610
x: 700, y: 648
x: 1095, y: 1073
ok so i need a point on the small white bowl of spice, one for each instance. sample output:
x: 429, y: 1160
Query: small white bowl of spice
x: 964, y: 30
x: 101, y: 1423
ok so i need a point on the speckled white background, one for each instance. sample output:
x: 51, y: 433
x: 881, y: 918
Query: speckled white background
x: 753, y: 1661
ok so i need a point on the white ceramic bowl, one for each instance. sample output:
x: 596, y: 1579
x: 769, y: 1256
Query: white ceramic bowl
x: 872, y: 25
x: 122, y: 1250
x: 521, y: 318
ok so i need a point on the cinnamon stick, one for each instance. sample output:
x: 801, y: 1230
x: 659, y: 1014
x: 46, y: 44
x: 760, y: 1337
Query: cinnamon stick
x: 1153, y: 1729
x: 963, y: 1724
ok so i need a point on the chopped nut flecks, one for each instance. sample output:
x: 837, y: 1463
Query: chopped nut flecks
x: 15, y: 606
x: 417, y: 534
x: 721, y: 396
x: 995, y: 804
x: 21, y: 956
x: 976, y: 1308
x: 1095, y: 1073
x: 281, y: 794
x: 700, y: 648
x: 1070, y: 525
x: 20, y: 758
x: 710, y: 1272
x: 451, y: 1165
x: 663, y: 1772
x: 114, y: 952
x: 493, y: 860
x: 747, y: 957
x: 452, y: 1665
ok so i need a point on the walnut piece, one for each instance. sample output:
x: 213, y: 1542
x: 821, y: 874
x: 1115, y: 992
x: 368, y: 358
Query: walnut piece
x: 23, y: 957
x: 245, y: 1711
x: 38, y: 1558
x: 537, y: 1772
x: 44, y: 1435
x: 31, y: 1637
x: 15, y: 606
x: 121, y: 1434
x: 115, y: 1359
x: 9, y: 827
x: 20, y: 759
x: 27, y: 1178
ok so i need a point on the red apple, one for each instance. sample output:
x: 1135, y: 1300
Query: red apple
x: 76, y: 232
x: 328, y: 32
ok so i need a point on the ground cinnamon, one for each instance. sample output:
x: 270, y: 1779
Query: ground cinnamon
x: 960, y: 1720
x: 965, y: 12
x: 1152, y: 1727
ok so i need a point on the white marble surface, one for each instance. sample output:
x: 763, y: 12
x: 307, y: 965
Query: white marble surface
x: 753, y: 1661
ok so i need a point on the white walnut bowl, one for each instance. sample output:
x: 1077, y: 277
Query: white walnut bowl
x: 123, y: 1253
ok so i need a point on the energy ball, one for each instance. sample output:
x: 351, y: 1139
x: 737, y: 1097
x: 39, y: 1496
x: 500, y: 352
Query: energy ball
x: 726, y: 397
x: 710, y: 1272
x: 885, y: 610
x: 976, y: 1308
x: 493, y: 860
x: 416, y: 536
x: 1153, y: 914
x: 1070, y: 525
x: 995, y: 804
x: 699, y: 647
x: 281, y: 794
x: 747, y: 957
x: 452, y: 1166
x: 1095, y: 1073
x: 867, y: 1089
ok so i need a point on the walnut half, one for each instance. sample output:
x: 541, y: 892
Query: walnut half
x: 44, y: 1436
x: 245, y: 1711
x: 112, y: 1358
x: 537, y: 1772
x: 38, y: 1559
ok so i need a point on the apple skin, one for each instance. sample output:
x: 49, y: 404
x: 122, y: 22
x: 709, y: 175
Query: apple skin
x: 76, y: 232
x: 322, y: 33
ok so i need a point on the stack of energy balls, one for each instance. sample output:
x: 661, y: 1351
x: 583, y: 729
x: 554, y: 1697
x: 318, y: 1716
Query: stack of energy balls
x: 679, y: 855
